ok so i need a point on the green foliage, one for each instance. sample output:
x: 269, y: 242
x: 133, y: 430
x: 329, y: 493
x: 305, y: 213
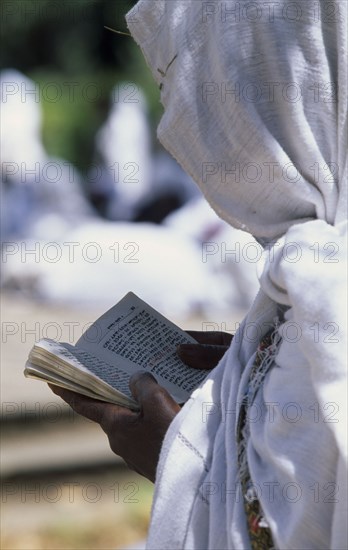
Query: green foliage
x: 75, y: 63
x: 74, y: 109
x: 68, y: 35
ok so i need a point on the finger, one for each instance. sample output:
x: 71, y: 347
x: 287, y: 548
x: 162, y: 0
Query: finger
x: 141, y: 382
x: 90, y: 408
x: 212, y: 337
x: 150, y: 395
x: 201, y: 356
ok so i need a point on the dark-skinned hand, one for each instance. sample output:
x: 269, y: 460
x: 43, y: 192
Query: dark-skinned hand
x: 138, y: 436
x: 207, y: 352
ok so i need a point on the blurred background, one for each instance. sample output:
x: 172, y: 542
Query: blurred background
x: 91, y: 207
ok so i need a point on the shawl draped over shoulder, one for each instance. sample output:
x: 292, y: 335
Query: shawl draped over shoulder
x: 255, y: 110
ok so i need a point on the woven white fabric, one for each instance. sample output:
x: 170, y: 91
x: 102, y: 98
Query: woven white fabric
x: 256, y: 112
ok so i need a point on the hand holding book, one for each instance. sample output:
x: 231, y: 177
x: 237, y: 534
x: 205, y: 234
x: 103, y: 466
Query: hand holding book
x: 137, y: 436
x: 129, y: 372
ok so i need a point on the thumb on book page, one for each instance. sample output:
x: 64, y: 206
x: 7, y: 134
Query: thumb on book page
x: 150, y: 395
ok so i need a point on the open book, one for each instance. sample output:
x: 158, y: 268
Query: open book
x: 128, y: 338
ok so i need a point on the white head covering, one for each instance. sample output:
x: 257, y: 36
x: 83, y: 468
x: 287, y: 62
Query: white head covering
x: 256, y: 95
x: 256, y: 112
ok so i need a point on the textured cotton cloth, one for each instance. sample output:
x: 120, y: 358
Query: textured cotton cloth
x: 255, y: 110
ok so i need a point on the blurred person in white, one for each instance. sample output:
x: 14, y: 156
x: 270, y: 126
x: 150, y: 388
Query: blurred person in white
x: 124, y: 144
x: 134, y: 185
x: 20, y: 145
x: 257, y: 458
x: 38, y: 191
x: 43, y: 204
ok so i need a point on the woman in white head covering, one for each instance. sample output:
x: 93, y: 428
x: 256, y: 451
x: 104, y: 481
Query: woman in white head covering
x: 256, y: 112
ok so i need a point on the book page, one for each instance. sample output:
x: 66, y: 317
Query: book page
x: 80, y: 367
x: 40, y: 373
x: 115, y: 377
x: 135, y: 337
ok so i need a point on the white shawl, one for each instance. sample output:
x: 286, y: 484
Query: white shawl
x: 256, y: 112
